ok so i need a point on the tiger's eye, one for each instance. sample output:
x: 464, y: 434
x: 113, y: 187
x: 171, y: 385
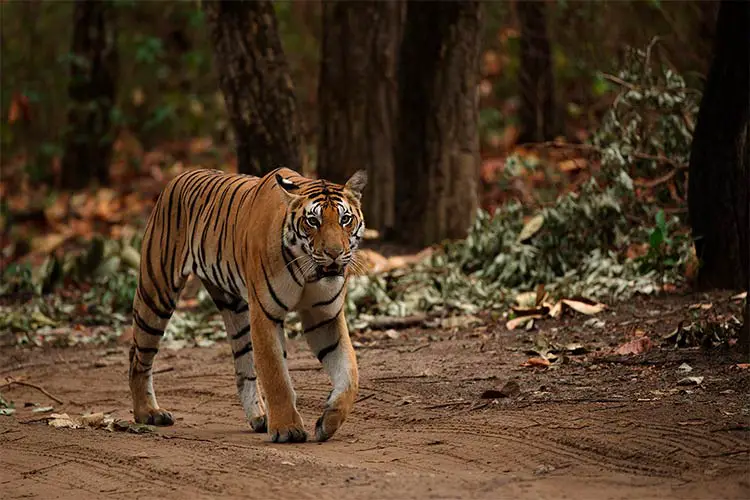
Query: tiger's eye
x: 346, y: 219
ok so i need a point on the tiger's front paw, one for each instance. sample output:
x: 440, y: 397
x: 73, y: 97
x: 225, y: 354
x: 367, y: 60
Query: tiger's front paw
x: 328, y: 424
x: 155, y: 416
x: 291, y: 433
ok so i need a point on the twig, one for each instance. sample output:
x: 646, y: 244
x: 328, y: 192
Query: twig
x: 420, y: 347
x: 364, y: 398
x: 660, y: 159
x: 164, y: 370
x: 447, y: 405
x: 12, y: 381
x: 560, y: 144
x: 397, y: 377
x: 40, y: 469
x: 619, y: 81
x: 386, y: 322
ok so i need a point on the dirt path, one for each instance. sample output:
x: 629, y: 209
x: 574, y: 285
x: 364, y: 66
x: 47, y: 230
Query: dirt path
x: 585, y: 430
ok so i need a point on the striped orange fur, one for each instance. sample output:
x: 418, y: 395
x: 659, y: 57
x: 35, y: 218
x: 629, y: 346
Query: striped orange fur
x: 262, y: 247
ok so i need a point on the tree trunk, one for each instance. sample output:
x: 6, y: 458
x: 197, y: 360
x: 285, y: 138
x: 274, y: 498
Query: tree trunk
x: 254, y: 78
x: 92, y: 89
x: 535, y: 79
x: 719, y: 184
x: 437, y: 155
x: 358, y: 97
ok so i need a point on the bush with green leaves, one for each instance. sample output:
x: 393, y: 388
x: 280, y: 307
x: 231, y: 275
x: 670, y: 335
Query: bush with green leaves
x: 577, y: 245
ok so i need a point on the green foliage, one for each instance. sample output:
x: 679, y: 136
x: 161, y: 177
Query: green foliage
x: 651, y: 120
x: 577, y: 245
x: 109, y: 267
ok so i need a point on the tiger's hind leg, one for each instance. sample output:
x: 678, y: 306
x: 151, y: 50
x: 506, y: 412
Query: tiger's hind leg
x: 234, y: 311
x: 150, y: 317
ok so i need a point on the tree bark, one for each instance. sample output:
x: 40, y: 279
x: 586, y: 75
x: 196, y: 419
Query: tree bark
x: 92, y: 89
x: 536, y: 82
x: 437, y: 155
x: 254, y: 78
x: 357, y: 93
x: 719, y: 183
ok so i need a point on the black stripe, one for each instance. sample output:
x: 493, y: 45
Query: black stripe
x: 329, y: 302
x: 270, y: 288
x: 170, y: 305
x: 270, y: 175
x: 326, y: 351
x: 146, y: 328
x: 148, y: 350
x: 241, y: 333
x: 323, y: 323
x: 285, y: 252
x: 223, y: 306
x: 248, y: 348
x: 148, y: 302
x: 266, y: 313
x: 244, y: 307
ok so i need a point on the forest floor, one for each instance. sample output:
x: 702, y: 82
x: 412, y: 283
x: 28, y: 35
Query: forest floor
x: 599, y: 425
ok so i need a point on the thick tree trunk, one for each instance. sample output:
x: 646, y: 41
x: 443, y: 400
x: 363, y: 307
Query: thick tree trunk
x: 254, y: 78
x: 92, y: 89
x: 437, y: 155
x: 535, y: 79
x: 720, y: 157
x: 358, y: 97
x: 719, y: 184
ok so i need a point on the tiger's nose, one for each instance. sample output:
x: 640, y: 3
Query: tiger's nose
x: 333, y: 254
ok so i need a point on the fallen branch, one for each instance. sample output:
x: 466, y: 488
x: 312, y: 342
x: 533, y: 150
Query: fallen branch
x: 388, y: 322
x: 660, y: 159
x: 447, y: 405
x: 365, y: 398
x: 12, y: 381
x: 163, y: 370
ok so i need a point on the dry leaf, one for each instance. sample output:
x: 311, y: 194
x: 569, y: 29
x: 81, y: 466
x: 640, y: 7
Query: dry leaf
x: 531, y: 228
x: 93, y: 419
x: 63, y: 421
x: 536, y: 362
x: 739, y: 296
x: 521, y: 321
x: 526, y: 299
x: 48, y: 243
x: 572, y: 165
x: 583, y: 307
x: 636, y: 346
x: 690, y: 381
x: 556, y: 310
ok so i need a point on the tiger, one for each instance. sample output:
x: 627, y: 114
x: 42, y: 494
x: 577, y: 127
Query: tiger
x: 262, y: 247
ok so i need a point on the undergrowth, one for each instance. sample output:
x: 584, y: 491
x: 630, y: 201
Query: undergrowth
x: 580, y: 245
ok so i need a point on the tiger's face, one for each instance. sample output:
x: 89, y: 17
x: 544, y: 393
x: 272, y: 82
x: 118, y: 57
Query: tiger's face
x: 326, y: 223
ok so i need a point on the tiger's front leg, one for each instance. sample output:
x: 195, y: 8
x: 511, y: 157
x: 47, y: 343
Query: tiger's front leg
x: 329, y: 340
x: 284, y: 422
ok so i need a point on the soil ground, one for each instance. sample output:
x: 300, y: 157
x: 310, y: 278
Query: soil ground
x: 598, y: 426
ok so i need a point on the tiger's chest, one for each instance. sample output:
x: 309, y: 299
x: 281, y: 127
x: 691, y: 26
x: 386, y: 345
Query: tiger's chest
x: 324, y: 295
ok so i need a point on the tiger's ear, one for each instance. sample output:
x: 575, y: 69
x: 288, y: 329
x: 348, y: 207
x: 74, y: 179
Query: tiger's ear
x: 356, y: 183
x: 288, y: 188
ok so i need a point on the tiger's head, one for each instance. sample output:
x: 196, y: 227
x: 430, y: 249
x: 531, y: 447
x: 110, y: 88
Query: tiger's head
x: 325, y: 223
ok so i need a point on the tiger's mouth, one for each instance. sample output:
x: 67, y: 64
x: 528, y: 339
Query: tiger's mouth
x: 330, y: 271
